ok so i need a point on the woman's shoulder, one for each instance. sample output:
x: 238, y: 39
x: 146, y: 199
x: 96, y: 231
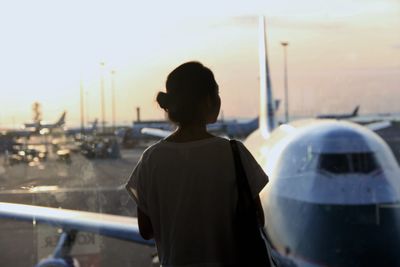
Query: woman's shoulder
x: 150, y: 150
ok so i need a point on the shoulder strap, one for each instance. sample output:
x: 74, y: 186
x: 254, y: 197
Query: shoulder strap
x: 244, y: 193
x: 241, y: 178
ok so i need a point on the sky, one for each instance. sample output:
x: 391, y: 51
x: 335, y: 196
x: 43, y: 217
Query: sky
x: 341, y: 54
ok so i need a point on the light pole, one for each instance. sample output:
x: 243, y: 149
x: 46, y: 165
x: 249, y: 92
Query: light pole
x: 87, y: 107
x: 102, y: 104
x: 138, y: 114
x: 82, y: 108
x: 285, y: 44
x: 113, y: 98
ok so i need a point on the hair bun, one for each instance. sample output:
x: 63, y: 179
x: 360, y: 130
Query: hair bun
x: 163, y: 100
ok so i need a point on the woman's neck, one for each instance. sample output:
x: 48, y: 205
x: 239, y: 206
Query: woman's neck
x: 189, y: 132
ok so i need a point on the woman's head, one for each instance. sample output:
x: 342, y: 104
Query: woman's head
x: 192, y: 95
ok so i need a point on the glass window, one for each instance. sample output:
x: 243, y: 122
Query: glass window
x: 78, y: 85
x: 363, y: 162
x: 335, y: 163
x: 347, y: 163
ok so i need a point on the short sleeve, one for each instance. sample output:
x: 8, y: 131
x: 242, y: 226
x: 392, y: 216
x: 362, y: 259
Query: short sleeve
x: 255, y: 174
x: 136, y: 187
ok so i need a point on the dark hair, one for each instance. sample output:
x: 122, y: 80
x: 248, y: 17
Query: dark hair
x: 187, y: 87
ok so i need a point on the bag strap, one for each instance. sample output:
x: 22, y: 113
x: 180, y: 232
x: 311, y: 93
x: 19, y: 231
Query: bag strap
x: 241, y: 176
x: 243, y: 182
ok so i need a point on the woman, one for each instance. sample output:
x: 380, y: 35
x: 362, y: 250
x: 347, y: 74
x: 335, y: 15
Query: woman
x: 185, y: 185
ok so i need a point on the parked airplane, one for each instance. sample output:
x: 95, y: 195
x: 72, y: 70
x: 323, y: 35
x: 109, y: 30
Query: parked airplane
x: 16, y: 133
x: 334, y: 191
x: 161, y: 129
x: 39, y: 126
x: 226, y: 128
x: 86, y: 130
x: 234, y: 128
x: 340, y: 116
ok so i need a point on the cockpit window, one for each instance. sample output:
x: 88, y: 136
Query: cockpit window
x: 347, y: 163
x: 363, y: 162
x: 334, y: 163
x: 304, y: 161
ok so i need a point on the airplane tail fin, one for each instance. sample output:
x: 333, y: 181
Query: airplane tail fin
x: 61, y: 120
x: 355, y: 112
x: 267, y: 104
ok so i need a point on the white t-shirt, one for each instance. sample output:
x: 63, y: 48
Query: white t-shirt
x: 188, y: 190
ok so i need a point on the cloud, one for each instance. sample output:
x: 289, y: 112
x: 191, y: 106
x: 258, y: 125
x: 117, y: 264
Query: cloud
x: 298, y: 22
x: 307, y: 24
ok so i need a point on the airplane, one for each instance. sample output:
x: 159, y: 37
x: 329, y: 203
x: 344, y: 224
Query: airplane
x: 340, y: 116
x: 161, y: 129
x: 40, y: 127
x: 226, y: 128
x: 35, y: 128
x: 234, y: 128
x: 86, y: 130
x: 16, y: 133
x: 333, y: 198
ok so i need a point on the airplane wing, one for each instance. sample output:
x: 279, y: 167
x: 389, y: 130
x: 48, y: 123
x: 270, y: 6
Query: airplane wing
x: 120, y: 227
x: 156, y: 132
x: 376, y: 126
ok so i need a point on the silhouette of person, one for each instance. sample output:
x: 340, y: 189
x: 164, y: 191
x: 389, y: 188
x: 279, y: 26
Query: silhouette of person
x: 185, y: 185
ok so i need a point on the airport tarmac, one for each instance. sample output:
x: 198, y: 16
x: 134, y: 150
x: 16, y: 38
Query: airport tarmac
x: 95, y: 185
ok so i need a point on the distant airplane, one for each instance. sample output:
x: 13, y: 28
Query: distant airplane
x: 161, y: 129
x: 18, y: 132
x: 86, y: 130
x: 334, y: 191
x: 35, y: 128
x: 131, y: 136
x: 41, y: 127
x: 226, y: 128
x: 340, y: 116
x: 234, y: 128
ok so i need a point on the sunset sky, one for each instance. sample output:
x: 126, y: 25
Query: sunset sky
x: 341, y: 53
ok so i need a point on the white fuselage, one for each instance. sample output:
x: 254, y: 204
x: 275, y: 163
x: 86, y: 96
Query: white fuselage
x: 330, y: 183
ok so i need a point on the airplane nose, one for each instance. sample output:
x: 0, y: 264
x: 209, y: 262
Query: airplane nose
x: 334, y: 234
x: 335, y: 205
